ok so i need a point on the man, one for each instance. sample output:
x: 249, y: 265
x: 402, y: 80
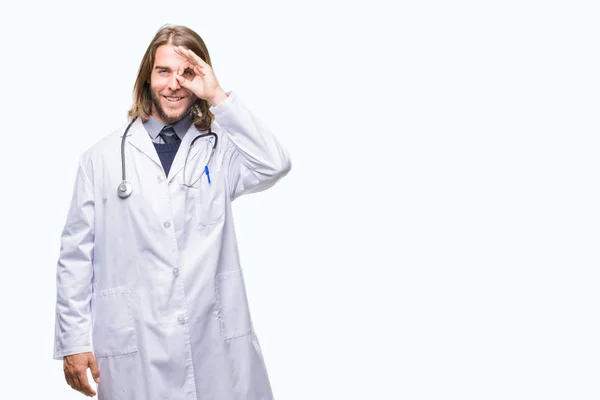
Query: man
x: 149, y: 270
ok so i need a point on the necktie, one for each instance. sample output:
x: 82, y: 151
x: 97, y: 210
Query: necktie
x: 168, y: 134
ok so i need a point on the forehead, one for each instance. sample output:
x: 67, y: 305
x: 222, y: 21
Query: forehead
x: 166, y: 57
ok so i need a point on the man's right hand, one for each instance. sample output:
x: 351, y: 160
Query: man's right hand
x: 75, y: 367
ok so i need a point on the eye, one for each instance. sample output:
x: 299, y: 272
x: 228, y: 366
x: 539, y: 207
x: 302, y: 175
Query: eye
x: 188, y: 72
x: 163, y: 71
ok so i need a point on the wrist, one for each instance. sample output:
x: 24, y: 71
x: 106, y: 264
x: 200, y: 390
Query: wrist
x: 217, y: 99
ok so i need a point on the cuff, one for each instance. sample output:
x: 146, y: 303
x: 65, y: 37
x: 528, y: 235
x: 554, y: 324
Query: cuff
x: 59, y: 355
x: 224, y: 102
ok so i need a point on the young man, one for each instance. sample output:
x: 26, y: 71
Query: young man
x: 149, y: 265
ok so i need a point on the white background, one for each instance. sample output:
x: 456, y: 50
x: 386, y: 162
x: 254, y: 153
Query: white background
x: 437, y: 237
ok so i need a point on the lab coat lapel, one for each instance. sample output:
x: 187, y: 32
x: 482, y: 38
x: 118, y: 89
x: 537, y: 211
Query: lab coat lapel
x: 139, y: 138
x: 200, y: 146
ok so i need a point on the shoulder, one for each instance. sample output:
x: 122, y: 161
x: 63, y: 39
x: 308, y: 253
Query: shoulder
x: 108, y: 146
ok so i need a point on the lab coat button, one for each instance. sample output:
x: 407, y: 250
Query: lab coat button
x: 175, y: 271
x: 181, y: 319
x: 167, y: 224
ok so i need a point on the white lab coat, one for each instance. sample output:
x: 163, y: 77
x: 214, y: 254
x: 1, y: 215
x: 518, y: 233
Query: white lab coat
x: 155, y: 280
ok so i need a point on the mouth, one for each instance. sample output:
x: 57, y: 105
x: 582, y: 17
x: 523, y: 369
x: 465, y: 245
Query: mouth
x: 173, y: 99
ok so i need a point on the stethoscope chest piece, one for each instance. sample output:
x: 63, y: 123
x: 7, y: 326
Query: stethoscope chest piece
x: 124, y: 189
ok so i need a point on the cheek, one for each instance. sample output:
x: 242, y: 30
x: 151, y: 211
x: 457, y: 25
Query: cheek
x: 157, y: 85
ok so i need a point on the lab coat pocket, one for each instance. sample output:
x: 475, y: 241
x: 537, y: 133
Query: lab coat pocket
x: 113, y: 332
x: 232, y: 305
x: 209, y: 204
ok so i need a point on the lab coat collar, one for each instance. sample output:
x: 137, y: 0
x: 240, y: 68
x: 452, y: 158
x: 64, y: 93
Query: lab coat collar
x: 140, y: 139
x: 154, y: 126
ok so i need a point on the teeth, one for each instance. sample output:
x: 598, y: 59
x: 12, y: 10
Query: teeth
x: 173, y: 98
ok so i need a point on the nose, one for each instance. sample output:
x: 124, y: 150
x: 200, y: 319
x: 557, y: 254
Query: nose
x: 173, y: 83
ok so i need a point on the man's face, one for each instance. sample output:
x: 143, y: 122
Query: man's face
x: 170, y: 102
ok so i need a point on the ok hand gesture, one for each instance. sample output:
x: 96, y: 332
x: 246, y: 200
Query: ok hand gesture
x: 202, y: 81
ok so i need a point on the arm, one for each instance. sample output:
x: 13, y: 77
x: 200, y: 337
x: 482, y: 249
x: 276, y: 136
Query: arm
x: 255, y: 159
x: 74, y: 273
x: 74, y: 288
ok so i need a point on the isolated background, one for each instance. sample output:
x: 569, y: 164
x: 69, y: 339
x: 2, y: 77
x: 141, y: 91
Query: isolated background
x: 437, y: 237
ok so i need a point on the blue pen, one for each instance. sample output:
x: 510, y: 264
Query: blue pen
x: 207, y: 173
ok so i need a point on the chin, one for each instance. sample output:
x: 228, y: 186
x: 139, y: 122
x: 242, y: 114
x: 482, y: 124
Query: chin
x: 171, y: 112
x: 174, y: 115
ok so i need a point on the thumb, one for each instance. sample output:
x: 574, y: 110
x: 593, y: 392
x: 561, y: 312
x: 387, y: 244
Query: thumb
x: 94, y: 369
x: 184, y: 83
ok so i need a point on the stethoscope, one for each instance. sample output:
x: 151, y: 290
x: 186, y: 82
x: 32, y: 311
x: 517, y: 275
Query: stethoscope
x: 125, y: 188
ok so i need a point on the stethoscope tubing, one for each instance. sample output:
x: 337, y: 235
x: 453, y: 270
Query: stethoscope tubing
x: 123, y: 149
x: 125, y: 188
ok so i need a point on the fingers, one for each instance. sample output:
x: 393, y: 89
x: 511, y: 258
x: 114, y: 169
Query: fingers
x: 198, y: 71
x: 77, y: 379
x: 183, y: 67
x: 184, y: 83
x: 187, y: 66
x: 95, y: 370
x: 84, y: 384
x: 190, y: 55
x: 75, y: 369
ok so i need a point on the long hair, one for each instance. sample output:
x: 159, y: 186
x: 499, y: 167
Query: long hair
x: 175, y: 35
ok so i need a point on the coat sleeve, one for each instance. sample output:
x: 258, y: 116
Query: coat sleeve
x: 254, y: 158
x: 74, y: 273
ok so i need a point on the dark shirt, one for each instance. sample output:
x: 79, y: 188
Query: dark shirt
x: 166, y: 152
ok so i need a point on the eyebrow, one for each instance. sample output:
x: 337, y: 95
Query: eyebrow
x: 169, y: 68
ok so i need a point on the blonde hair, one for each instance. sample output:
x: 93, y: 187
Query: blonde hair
x: 175, y: 35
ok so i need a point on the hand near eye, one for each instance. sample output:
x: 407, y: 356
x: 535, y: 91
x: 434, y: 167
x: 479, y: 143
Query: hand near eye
x: 203, y: 82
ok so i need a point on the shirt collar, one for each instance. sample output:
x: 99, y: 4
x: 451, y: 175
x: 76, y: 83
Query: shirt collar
x: 153, y: 126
